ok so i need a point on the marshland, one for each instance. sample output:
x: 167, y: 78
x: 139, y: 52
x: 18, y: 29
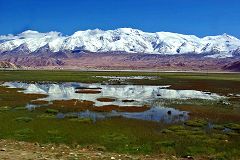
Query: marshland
x: 135, y: 113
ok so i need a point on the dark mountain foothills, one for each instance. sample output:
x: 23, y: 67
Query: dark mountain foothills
x: 43, y: 58
x: 8, y: 65
x: 235, y: 66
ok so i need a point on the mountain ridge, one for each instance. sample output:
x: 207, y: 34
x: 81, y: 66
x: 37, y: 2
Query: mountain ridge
x: 121, y: 40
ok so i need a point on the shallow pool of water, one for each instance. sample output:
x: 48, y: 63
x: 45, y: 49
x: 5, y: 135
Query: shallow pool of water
x: 121, y: 95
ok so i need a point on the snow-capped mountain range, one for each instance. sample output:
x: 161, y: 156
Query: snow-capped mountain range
x: 123, y: 39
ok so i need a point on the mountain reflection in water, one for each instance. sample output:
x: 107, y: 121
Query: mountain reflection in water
x: 123, y: 95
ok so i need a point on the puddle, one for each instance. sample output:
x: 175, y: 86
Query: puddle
x: 129, y: 77
x: 233, y: 95
x: 159, y: 114
x: 123, y: 95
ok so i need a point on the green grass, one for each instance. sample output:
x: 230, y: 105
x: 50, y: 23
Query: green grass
x: 23, y: 119
x: 233, y: 126
x: 51, y: 111
x: 119, y: 135
x: 80, y: 76
x: 196, y: 123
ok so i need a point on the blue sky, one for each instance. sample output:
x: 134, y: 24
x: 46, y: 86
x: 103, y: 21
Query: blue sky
x: 198, y: 17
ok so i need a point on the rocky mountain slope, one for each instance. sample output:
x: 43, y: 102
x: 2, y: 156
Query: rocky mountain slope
x: 235, y: 66
x: 8, y: 65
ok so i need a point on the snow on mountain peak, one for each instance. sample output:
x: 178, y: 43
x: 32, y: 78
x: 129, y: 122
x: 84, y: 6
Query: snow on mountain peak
x: 29, y: 32
x: 87, y: 32
x: 36, y: 34
x: 122, y: 39
x: 129, y: 30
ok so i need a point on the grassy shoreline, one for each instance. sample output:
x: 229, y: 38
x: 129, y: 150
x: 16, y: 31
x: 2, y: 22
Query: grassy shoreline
x: 65, y: 75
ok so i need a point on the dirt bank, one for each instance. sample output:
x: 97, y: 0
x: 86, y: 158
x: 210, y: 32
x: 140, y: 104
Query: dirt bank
x: 14, y: 150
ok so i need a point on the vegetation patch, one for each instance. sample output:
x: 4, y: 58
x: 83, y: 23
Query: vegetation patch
x: 166, y: 143
x: 199, y: 150
x: 55, y: 136
x: 176, y: 128
x: 4, y: 108
x: 233, y: 126
x: 91, y: 88
x: 24, y: 134
x: 11, y: 97
x: 219, y: 136
x: 72, y: 105
x: 233, y: 134
x: 46, y: 116
x: 39, y: 102
x: 128, y: 100
x: 109, y: 108
x: 218, y: 127
x: 205, y: 111
x: 67, y: 106
x: 82, y: 120
x: 106, y: 99
x: 71, y: 115
x: 20, y: 108
x: 115, y: 137
x: 24, y: 119
x: 51, y: 111
x: 167, y: 131
x: 196, y: 123
x: 88, y: 91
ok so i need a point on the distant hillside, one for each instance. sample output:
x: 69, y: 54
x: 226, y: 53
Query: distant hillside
x: 8, y: 65
x: 235, y: 66
x: 121, y: 61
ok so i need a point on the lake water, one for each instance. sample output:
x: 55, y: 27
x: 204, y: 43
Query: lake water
x: 123, y: 95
